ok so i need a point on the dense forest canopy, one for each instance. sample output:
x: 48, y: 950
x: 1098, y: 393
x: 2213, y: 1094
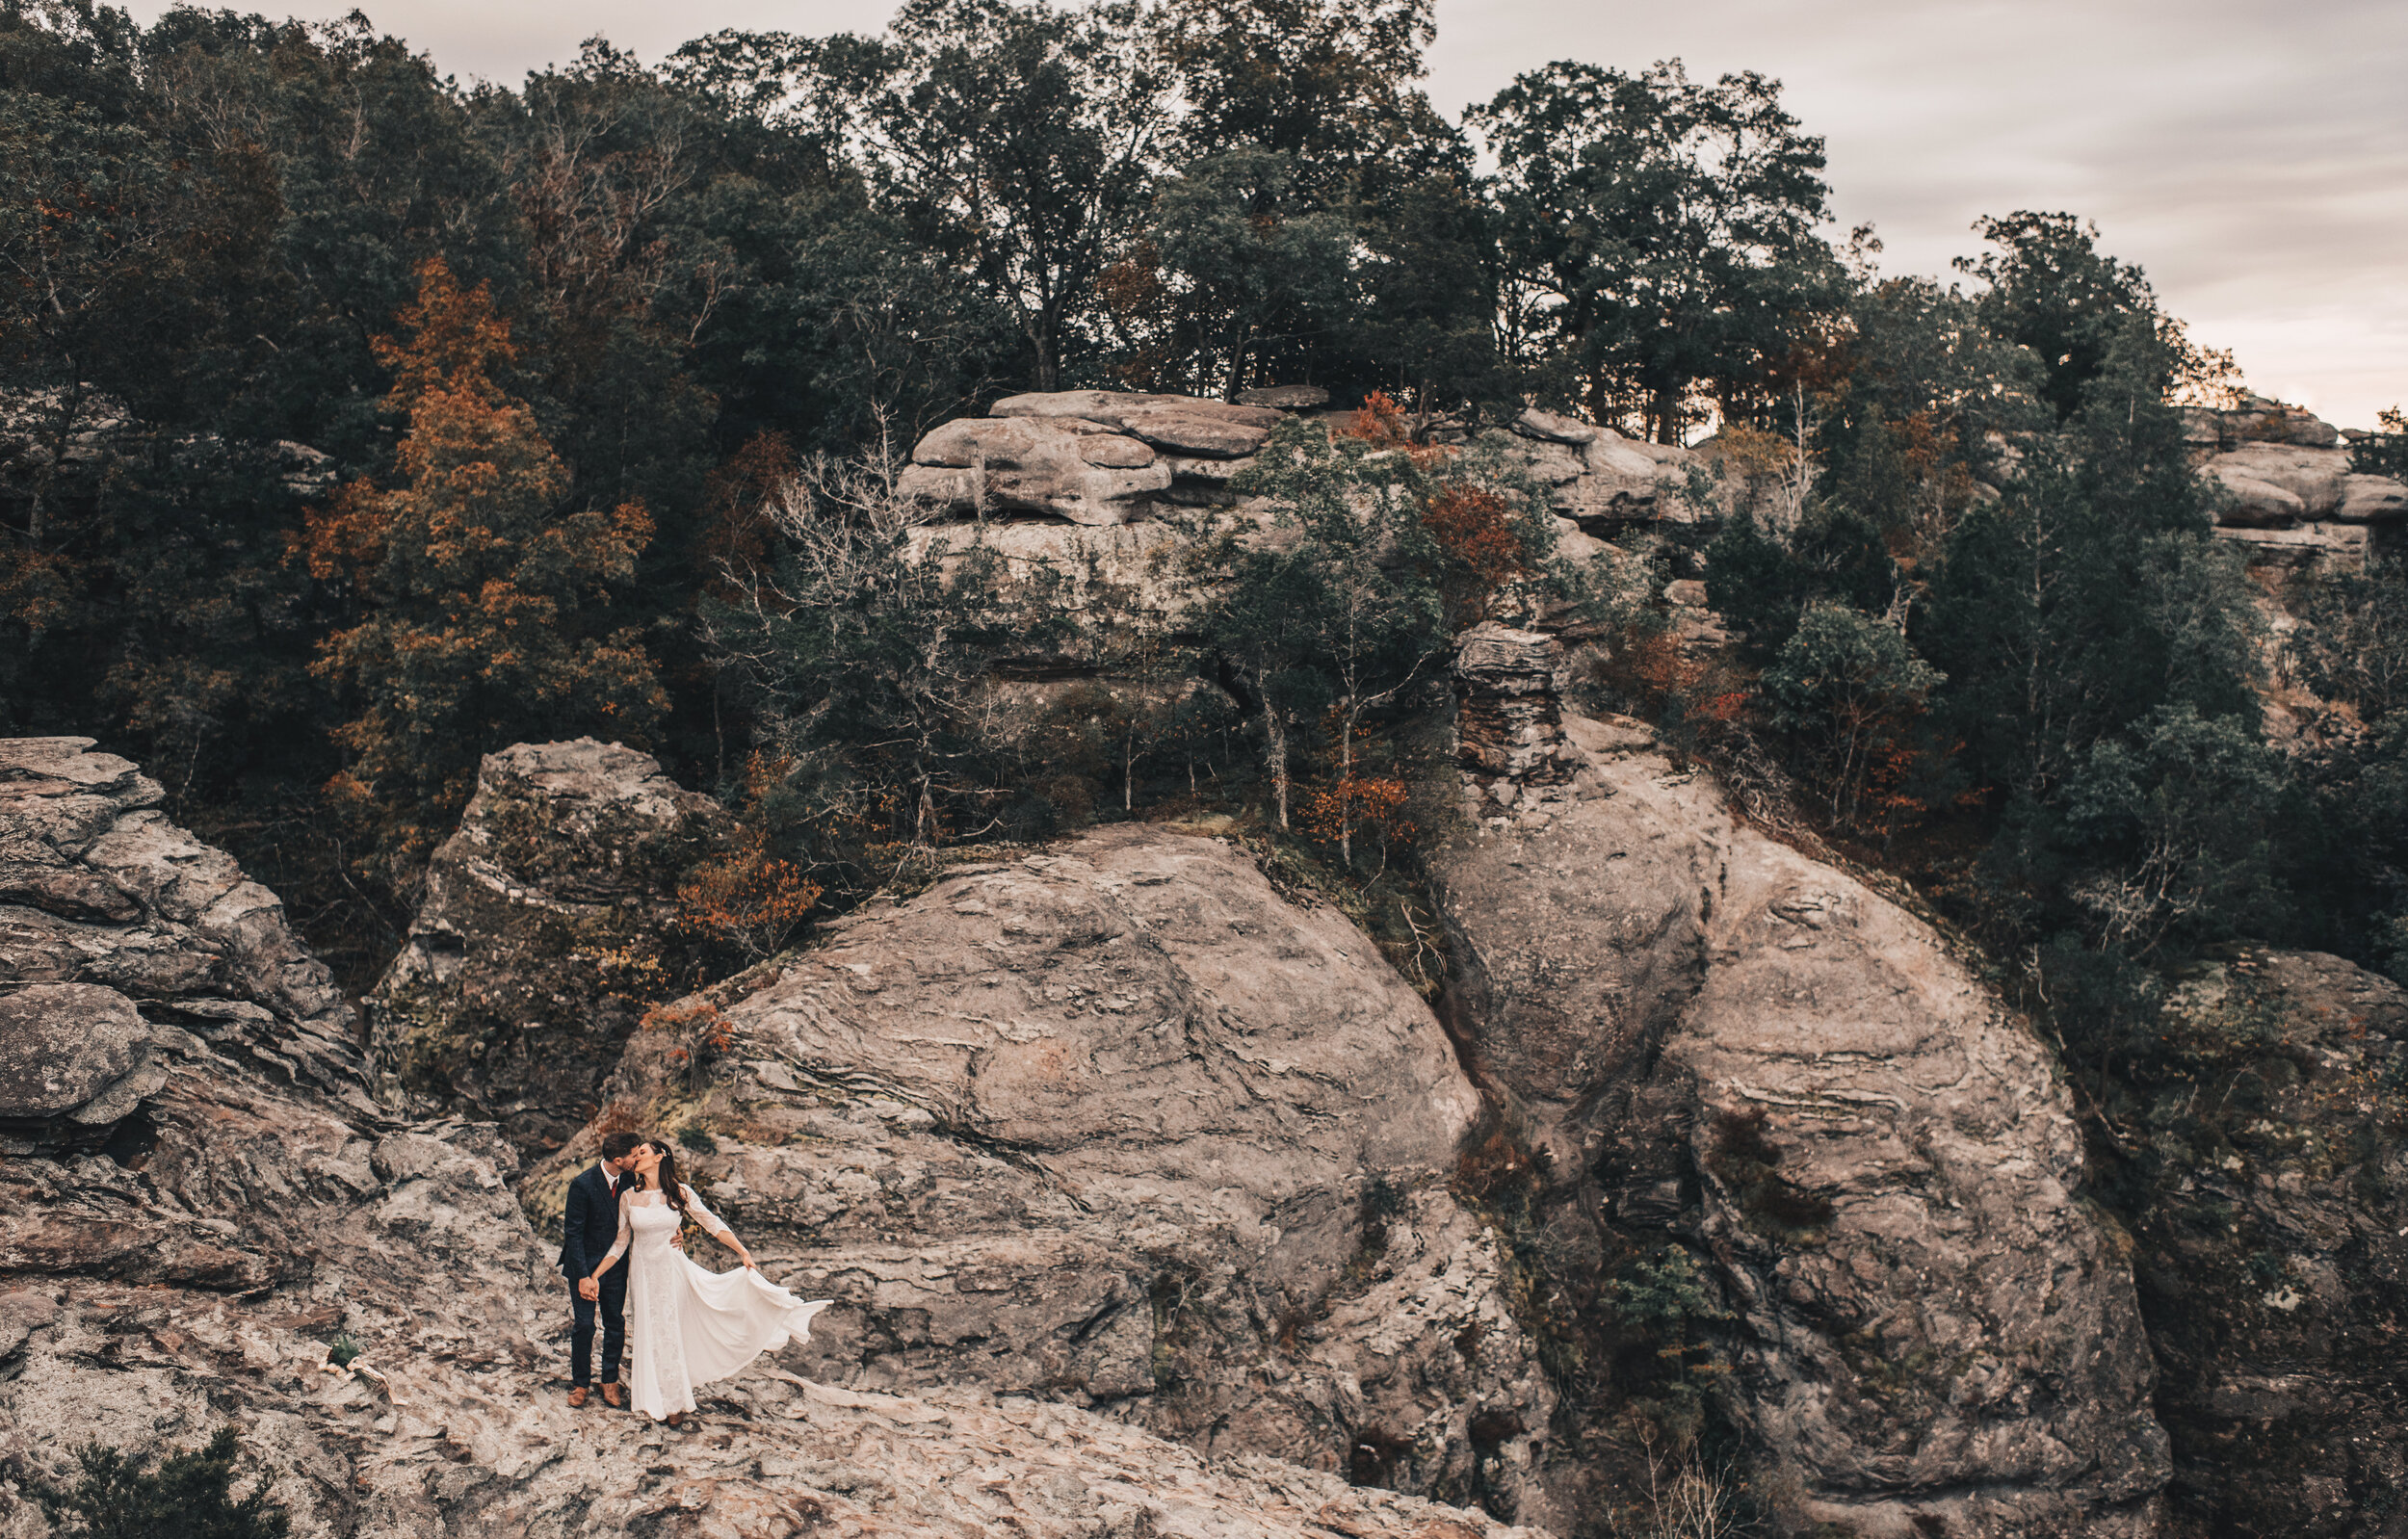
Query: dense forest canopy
x: 364, y: 423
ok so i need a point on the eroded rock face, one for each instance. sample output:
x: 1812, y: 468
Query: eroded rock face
x: 1117, y: 1120
x: 1714, y: 1036
x: 509, y: 1001
x: 1104, y: 458
x: 2265, y: 1171
x: 255, y: 1202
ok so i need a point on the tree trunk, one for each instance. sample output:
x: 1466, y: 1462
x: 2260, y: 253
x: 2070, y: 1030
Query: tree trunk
x: 1275, y: 742
x: 1666, y: 411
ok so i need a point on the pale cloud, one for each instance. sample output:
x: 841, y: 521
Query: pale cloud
x: 2252, y: 157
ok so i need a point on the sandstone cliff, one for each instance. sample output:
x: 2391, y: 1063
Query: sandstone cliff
x: 200, y: 1194
x: 1710, y: 1036
x: 1118, y: 1122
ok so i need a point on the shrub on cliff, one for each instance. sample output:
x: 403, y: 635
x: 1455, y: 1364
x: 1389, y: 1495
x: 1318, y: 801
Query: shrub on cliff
x: 187, y: 1496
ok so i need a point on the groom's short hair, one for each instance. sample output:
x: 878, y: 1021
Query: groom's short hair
x: 618, y: 1145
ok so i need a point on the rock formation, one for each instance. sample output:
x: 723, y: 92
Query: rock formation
x: 250, y: 1201
x: 1118, y: 1122
x: 544, y: 915
x: 2264, y: 1175
x: 1101, y: 457
x: 2293, y: 501
x: 1708, y: 1032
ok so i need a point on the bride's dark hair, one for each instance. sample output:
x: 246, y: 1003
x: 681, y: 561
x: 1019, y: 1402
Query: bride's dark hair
x: 673, y: 1190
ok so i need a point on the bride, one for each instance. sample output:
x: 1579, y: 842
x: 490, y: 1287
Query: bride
x: 687, y: 1326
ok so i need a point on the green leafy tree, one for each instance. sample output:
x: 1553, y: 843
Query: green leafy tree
x: 1667, y: 232
x: 1344, y: 603
x: 2175, y: 824
x: 1848, y: 688
x: 1019, y: 140
x: 1245, y: 272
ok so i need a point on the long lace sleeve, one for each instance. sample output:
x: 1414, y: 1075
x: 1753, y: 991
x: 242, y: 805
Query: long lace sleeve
x: 709, y: 1221
x: 618, y: 1246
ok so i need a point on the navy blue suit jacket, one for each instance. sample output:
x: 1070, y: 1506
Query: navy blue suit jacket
x: 590, y: 1225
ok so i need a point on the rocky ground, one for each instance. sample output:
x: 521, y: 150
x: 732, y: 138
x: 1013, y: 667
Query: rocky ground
x: 200, y: 1194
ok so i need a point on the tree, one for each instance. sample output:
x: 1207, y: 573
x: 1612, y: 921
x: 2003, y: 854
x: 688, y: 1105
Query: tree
x: 189, y: 1496
x: 1241, y: 271
x: 1668, y: 230
x: 1016, y: 139
x: 1345, y: 605
x: 1849, y: 687
x: 1326, y: 81
x: 867, y: 655
x: 2174, y: 822
x: 484, y: 601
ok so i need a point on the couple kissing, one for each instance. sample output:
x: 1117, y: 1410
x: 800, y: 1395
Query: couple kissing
x: 681, y: 1325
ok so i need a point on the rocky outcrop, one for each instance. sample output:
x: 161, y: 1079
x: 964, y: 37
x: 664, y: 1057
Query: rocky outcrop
x: 545, y: 915
x: 1120, y: 1123
x: 1707, y: 1034
x: 2292, y: 500
x: 1104, y: 458
x: 249, y: 1202
x: 2259, y: 1156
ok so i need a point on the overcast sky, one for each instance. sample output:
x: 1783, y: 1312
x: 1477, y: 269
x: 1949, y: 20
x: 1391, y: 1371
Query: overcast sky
x: 2253, y: 157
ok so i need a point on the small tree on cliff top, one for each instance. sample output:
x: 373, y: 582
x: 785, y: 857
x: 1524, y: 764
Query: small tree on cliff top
x: 1375, y: 550
x: 482, y: 602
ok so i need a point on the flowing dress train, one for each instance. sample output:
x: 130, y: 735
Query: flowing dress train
x: 685, y: 1325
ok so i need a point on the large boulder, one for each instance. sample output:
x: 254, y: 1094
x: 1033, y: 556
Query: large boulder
x: 2259, y: 1154
x: 1181, y: 424
x: 1119, y: 1122
x: 545, y: 917
x: 2314, y: 479
x: 254, y: 1203
x: 1070, y: 469
x: 1711, y: 1038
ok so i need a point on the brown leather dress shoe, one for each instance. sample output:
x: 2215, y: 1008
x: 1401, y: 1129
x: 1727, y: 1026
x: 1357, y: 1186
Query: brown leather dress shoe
x: 577, y: 1395
x: 610, y: 1395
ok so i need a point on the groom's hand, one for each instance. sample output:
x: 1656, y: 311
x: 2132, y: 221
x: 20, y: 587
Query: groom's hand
x: 588, y: 1290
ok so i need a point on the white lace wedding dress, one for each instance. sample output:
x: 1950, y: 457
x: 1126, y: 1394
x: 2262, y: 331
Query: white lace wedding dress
x: 685, y: 1325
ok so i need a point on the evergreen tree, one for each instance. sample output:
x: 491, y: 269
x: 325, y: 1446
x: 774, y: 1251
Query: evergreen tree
x: 484, y: 604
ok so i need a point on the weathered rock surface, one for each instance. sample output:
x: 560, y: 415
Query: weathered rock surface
x: 2284, y: 471
x: 2264, y: 1168
x: 510, y: 999
x: 1067, y: 468
x: 1104, y: 458
x: 1706, y: 1031
x: 255, y: 1202
x: 1119, y: 1122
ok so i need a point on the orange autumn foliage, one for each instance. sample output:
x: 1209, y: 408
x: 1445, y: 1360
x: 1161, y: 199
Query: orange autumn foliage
x: 1475, y: 526
x: 478, y: 597
x: 1358, y: 801
x: 750, y: 898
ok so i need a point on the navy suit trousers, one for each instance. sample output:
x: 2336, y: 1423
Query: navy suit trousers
x: 612, y: 1308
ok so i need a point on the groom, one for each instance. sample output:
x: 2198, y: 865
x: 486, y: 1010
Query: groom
x: 588, y: 1230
